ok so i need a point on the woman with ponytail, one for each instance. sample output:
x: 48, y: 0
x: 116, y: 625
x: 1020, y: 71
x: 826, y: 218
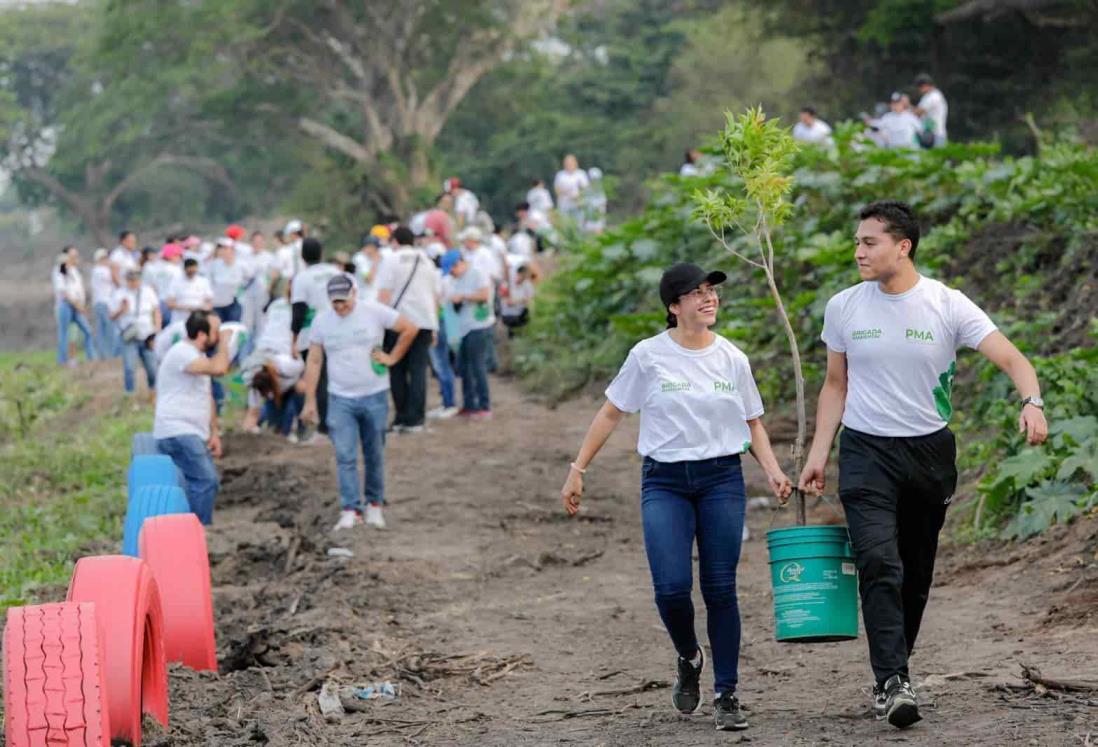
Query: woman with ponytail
x: 700, y: 411
x: 71, y: 304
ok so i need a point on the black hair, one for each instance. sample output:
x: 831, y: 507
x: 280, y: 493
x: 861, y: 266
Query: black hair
x: 522, y: 206
x: 197, y: 322
x: 899, y: 220
x: 311, y: 250
x: 403, y: 236
x: 62, y: 259
x: 808, y: 110
x: 190, y: 262
x: 123, y: 234
x: 535, y: 182
x: 672, y: 320
x: 688, y: 156
x: 147, y: 250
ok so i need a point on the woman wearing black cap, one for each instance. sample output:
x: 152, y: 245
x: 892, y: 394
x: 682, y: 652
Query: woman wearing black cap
x: 700, y: 410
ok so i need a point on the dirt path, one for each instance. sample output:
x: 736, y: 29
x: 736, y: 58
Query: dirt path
x: 553, y: 616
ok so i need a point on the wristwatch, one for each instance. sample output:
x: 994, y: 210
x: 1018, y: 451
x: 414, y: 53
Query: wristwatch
x: 1035, y: 401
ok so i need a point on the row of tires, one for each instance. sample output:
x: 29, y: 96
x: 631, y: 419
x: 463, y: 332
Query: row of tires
x: 83, y: 671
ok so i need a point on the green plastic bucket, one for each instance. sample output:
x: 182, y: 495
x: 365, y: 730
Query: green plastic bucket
x: 815, y: 584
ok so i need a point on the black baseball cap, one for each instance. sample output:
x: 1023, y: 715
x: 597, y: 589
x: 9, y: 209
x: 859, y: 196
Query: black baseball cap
x: 683, y: 277
x: 340, y: 287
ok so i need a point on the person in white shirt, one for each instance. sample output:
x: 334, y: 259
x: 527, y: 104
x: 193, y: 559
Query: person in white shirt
x: 472, y: 294
x: 891, y: 361
x: 898, y: 128
x: 227, y: 281
x: 569, y: 184
x: 257, y: 291
x: 185, y: 422
x: 466, y: 204
x: 812, y: 129
x: 473, y: 247
x: 700, y: 413
x: 123, y: 257
x: 515, y: 304
x: 192, y: 292
x: 309, y: 299
x: 368, y: 261
x: 290, y: 259
x: 448, y: 330
x: 410, y: 283
x: 594, y: 203
x: 691, y: 162
x: 136, y: 309
x: 107, y: 342
x: 163, y: 272
x: 539, y: 198
x: 349, y: 335
x: 71, y: 302
x: 932, y: 108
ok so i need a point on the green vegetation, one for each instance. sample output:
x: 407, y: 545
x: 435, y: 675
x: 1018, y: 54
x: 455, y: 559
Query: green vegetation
x: 62, y: 473
x: 1030, y: 220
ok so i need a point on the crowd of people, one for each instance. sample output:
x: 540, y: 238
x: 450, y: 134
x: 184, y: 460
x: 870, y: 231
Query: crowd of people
x: 330, y: 346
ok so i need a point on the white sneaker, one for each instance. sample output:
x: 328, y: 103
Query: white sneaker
x: 348, y: 519
x: 414, y: 429
x: 746, y: 533
x: 292, y: 438
x: 442, y: 413
x: 374, y: 517
x: 316, y: 439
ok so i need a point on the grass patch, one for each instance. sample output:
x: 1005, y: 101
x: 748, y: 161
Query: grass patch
x: 62, y: 486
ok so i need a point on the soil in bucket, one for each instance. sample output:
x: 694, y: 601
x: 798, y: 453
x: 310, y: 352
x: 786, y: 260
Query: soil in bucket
x: 815, y: 584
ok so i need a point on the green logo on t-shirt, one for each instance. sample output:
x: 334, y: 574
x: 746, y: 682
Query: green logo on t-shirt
x: 943, y: 394
x: 674, y: 386
x: 723, y: 387
x: 919, y: 335
x: 865, y: 334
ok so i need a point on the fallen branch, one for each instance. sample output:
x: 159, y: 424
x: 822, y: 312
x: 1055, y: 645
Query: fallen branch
x: 1033, y: 675
x: 642, y: 687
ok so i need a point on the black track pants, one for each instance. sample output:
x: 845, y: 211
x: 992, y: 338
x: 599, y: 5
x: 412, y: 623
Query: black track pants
x: 895, y: 492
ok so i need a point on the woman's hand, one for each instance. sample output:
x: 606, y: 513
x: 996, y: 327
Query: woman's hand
x: 383, y: 358
x: 781, y: 486
x: 571, y: 492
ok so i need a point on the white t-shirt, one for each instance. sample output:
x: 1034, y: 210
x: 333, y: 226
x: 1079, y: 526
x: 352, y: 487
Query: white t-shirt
x: 466, y: 205
x: 140, y: 311
x: 474, y: 315
x: 694, y: 404
x: 420, y: 301
x: 102, y: 284
x: 934, y: 104
x: 275, y: 335
x: 192, y: 294
x: 226, y: 281
x: 522, y: 244
x: 518, y: 297
x: 568, y: 186
x: 168, y: 337
x: 310, y: 287
x: 182, y: 399
x: 900, y: 129
x: 485, y: 260
x: 901, y: 353
x: 539, y: 199
x: 284, y: 260
x: 348, y: 343
x: 123, y: 259
x: 818, y: 132
x: 162, y: 275
x: 69, y: 286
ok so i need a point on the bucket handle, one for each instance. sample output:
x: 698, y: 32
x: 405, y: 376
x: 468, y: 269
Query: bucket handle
x: 830, y: 504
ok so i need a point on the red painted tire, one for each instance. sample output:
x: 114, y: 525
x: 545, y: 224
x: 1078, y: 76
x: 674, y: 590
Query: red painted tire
x: 54, y: 690
x: 127, y: 603
x: 174, y: 546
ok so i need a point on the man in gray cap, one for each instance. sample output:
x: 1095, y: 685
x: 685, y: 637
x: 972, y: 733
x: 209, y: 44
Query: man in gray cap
x: 350, y: 336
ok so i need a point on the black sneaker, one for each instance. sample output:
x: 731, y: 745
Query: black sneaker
x: 880, y: 702
x: 726, y: 710
x: 686, y: 692
x: 901, y: 706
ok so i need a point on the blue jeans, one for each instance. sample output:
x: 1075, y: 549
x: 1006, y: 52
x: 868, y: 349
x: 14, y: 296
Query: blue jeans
x: 106, y: 333
x: 230, y: 313
x: 193, y: 459
x: 473, y: 359
x: 440, y: 364
x: 681, y: 501
x: 131, y: 352
x: 355, y: 422
x: 282, y: 419
x: 66, y: 315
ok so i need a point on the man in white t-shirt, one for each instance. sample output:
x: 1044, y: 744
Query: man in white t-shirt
x: 185, y: 423
x: 898, y: 128
x: 812, y: 129
x: 891, y: 362
x: 163, y: 272
x: 308, y: 299
x: 410, y: 283
x: 192, y: 292
x: 123, y: 257
x: 932, y: 107
x: 135, y: 308
x: 349, y: 335
x: 538, y: 197
x: 472, y: 294
x: 466, y: 203
x: 569, y: 185
x: 227, y: 280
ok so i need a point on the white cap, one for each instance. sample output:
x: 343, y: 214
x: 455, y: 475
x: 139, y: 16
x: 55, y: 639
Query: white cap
x: 594, y: 173
x: 99, y: 254
x: 469, y: 233
x: 294, y: 226
x: 225, y: 241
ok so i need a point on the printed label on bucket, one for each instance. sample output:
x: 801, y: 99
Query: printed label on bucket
x: 848, y: 569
